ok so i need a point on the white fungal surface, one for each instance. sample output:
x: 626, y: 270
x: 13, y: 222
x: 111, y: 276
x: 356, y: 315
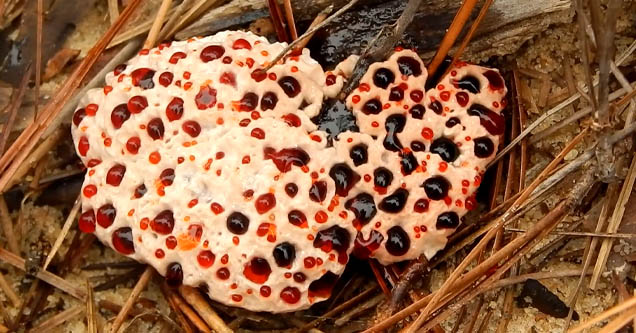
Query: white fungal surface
x: 211, y: 170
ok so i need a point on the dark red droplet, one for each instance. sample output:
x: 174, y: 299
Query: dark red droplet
x: 447, y: 220
x: 395, y: 202
x: 436, y: 106
x: 106, y: 215
x: 212, y: 52
x: 484, y: 147
x: 418, y: 146
x: 241, y: 44
x: 258, y: 75
x: 174, y: 110
x: 451, y: 122
x: 284, y: 254
x: 436, y: 188
x: 299, y: 277
x: 87, y: 221
x: 119, y: 115
x: 122, y: 240
x: 445, y: 148
x: 383, y: 77
x: 174, y: 274
x: 417, y: 95
x: 78, y: 116
x: 265, y: 202
x: 492, y: 121
x: 290, y: 295
x: 228, y: 78
x: 421, y: 206
x: 268, y: 101
x: 297, y: 218
x: 115, y: 174
x: 292, y: 120
x: 372, y: 106
x: 155, y: 129
x: 257, y: 270
x: 237, y: 223
x: 382, y: 178
x: 408, y: 163
x: 397, y: 242
x: 265, y: 291
x: 291, y: 189
x: 290, y: 86
x: 176, y: 57
x: 336, y: 239
x: 223, y: 273
x: 393, y: 124
x: 206, y: 98
x: 462, y: 98
x: 359, y: 154
x: 286, y: 157
x: 344, y: 177
x: 323, y: 286
x: 248, y: 102
x: 396, y: 94
x: 136, y: 104
x: 330, y: 80
x: 363, y: 248
x: 192, y: 128
x: 363, y: 207
x: 495, y: 81
x: 409, y: 66
x: 318, y: 191
x: 469, y: 83
x: 140, y: 191
x: 167, y: 177
x: 142, y: 77
x: 119, y: 69
x: 165, y: 78
x: 163, y: 223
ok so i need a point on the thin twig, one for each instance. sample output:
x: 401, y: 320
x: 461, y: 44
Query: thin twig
x: 8, y: 291
x: 16, y: 101
x: 38, y: 56
x: 48, y: 277
x: 289, y: 15
x: 7, y: 226
x: 585, y: 51
x: 139, y: 287
x: 583, y: 234
x: 619, y: 308
x: 151, y: 40
x: 24, y: 144
x: 91, y: 320
x: 60, y: 237
x: 456, y: 27
x: 471, y: 32
x: 195, y: 11
x: 58, y: 319
x: 204, y: 309
x: 174, y: 17
x: 113, y: 10
x: 309, y: 33
x: 317, y: 20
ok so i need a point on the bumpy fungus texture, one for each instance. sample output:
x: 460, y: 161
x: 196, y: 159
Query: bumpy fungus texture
x: 211, y: 171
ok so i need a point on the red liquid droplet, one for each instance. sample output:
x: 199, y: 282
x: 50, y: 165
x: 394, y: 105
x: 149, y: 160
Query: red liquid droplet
x: 115, y: 175
x: 119, y: 115
x: 83, y: 146
x: 265, y: 202
x: 133, y: 144
x: 205, y: 258
x: 495, y: 82
x: 223, y: 273
x: 323, y: 286
x: 176, y: 57
x: 290, y: 295
x: 258, y: 133
x: 174, y: 110
x: 167, y: 177
x: 493, y: 122
x: 228, y: 78
x: 122, y: 240
x: 192, y: 128
x: 163, y: 223
x: 155, y: 129
x: 136, y: 104
x: 206, y: 98
x: 292, y: 120
x: 165, y: 78
x: 212, y: 52
x: 286, y: 157
x: 363, y: 248
x: 241, y: 44
x: 78, y: 116
x: 142, y: 77
x: 334, y: 238
x: 174, y: 274
x: 257, y: 270
x: 265, y: 291
x: 106, y: 215
x: 87, y: 221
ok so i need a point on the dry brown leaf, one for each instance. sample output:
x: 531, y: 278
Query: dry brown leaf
x: 57, y: 63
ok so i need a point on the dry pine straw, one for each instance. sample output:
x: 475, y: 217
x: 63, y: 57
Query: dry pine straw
x: 74, y: 310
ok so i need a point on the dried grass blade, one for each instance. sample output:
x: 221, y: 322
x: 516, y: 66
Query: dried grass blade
x: 462, y: 16
x: 204, y: 309
x: 13, y: 108
x: 289, y: 16
x: 18, y: 152
x: 8, y: 291
x: 627, y: 305
x: 91, y: 320
x: 7, y: 226
x: 139, y: 287
x: 153, y: 34
x: 50, y: 278
x: 38, y: 56
x: 58, y: 319
x: 60, y: 237
x: 614, y: 223
x: 471, y: 32
x: 195, y: 11
x: 113, y: 10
